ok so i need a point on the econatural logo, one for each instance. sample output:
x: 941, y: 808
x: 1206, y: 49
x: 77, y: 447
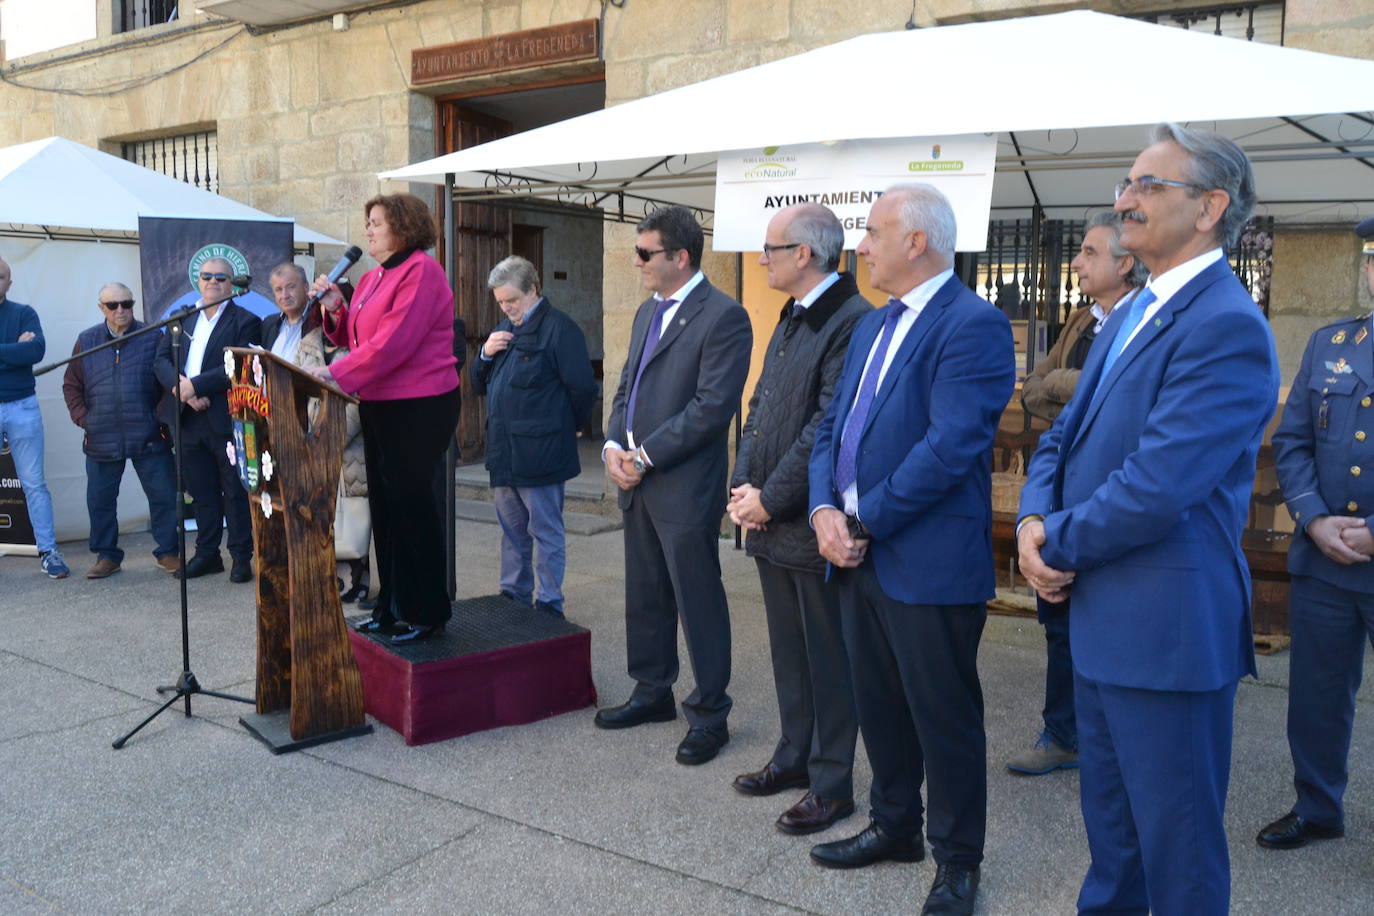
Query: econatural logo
x: 228, y: 252
x: 772, y: 164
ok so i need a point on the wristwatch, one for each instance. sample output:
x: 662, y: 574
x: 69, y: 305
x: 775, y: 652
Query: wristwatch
x: 640, y: 465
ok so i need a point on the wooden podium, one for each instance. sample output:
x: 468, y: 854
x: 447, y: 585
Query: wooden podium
x: 308, y: 688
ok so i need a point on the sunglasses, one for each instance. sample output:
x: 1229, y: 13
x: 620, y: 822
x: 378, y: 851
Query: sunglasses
x: 119, y: 304
x: 218, y: 278
x: 645, y: 254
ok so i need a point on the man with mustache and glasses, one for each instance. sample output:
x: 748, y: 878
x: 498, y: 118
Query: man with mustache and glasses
x: 1319, y: 448
x: 1133, y: 507
x: 667, y: 452
x: 201, y: 388
x: 113, y: 396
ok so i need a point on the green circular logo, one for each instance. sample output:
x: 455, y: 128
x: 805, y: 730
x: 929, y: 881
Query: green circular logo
x: 231, y: 254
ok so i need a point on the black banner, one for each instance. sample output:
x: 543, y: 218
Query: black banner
x: 15, y: 528
x: 172, y: 249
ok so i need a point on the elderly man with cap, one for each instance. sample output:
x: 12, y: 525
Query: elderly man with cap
x: 1319, y: 448
x: 113, y: 396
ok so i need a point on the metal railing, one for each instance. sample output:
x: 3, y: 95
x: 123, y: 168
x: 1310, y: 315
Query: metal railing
x: 192, y: 158
x: 139, y: 14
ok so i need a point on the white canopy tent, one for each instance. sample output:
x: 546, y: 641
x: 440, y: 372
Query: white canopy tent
x: 68, y: 225
x: 1064, y: 137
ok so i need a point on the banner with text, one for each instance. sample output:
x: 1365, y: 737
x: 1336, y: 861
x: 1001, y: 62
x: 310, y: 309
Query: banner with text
x: 172, y: 249
x: 847, y: 177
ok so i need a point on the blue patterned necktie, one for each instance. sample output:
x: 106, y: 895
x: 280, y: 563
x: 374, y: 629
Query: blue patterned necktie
x: 846, y: 465
x: 1123, y: 334
x: 650, y: 345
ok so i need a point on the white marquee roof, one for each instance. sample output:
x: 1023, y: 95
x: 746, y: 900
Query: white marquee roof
x: 59, y: 186
x: 1076, y: 91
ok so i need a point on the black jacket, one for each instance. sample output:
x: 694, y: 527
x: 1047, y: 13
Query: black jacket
x: 237, y: 327
x: 539, y: 390
x: 113, y: 396
x: 800, y: 369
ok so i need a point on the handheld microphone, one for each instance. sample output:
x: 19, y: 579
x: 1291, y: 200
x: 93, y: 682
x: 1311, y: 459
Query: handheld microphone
x: 350, y: 257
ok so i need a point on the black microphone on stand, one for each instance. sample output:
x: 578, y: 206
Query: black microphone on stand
x: 350, y: 257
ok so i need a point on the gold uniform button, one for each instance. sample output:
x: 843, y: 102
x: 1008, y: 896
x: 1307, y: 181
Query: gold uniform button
x: 1359, y: 435
x: 1351, y: 506
x: 1355, y: 471
x: 1365, y: 402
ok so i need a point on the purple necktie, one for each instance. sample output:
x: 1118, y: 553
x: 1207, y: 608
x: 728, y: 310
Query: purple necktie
x: 650, y: 345
x: 846, y: 465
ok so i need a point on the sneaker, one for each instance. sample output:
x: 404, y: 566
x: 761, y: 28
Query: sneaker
x: 53, y: 564
x: 1044, y: 757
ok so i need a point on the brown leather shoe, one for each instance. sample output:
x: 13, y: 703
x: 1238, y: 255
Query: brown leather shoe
x: 169, y: 564
x: 770, y: 780
x: 103, y: 567
x: 813, y: 814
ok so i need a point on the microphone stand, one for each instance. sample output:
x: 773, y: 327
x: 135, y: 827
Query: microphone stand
x: 186, y: 684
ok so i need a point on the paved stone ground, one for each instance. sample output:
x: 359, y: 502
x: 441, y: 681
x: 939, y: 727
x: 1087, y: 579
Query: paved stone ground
x: 196, y: 815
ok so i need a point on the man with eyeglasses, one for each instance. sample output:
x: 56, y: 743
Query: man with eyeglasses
x: 21, y: 423
x: 1133, y: 506
x: 667, y: 452
x: 113, y: 396
x: 1319, y: 449
x: 769, y: 491
x: 199, y: 390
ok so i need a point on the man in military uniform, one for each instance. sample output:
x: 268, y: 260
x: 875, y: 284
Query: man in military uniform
x: 1321, y: 450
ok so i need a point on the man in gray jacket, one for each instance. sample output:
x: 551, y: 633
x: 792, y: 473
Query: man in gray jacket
x: 769, y: 491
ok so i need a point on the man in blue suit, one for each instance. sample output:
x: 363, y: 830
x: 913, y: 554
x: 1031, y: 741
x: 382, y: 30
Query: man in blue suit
x: 1134, y: 502
x: 1319, y: 449
x: 902, y: 507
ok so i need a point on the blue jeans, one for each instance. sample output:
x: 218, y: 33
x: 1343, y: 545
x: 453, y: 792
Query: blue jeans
x: 22, y: 425
x: 530, y: 515
x: 157, y: 475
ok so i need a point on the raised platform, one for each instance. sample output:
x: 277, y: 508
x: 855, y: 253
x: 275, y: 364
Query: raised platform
x: 498, y: 663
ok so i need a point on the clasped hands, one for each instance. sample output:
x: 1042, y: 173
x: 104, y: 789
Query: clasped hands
x: 187, y: 392
x: 834, y: 540
x: 1049, y: 583
x: 746, y: 508
x: 620, y: 464
x: 1344, y: 539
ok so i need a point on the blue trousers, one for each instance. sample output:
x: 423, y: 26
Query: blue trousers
x: 530, y: 516
x: 21, y: 424
x: 157, y: 474
x: 1155, y: 767
x: 1060, y: 726
x: 1329, y: 626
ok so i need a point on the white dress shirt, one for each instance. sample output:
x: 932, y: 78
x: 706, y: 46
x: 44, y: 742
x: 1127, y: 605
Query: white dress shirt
x: 288, y: 339
x: 200, y: 339
x: 816, y: 291
x: 1167, y: 284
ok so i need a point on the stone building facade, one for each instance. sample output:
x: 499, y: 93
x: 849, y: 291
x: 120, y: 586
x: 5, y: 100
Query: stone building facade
x: 307, y: 112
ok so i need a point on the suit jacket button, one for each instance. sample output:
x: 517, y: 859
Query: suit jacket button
x: 1355, y: 471
x: 1359, y: 435
x: 1365, y: 402
x: 1351, y: 506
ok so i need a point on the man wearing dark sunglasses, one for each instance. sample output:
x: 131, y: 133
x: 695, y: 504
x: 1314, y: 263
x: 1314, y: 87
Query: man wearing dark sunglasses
x: 199, y: 388
x: 113, y: 395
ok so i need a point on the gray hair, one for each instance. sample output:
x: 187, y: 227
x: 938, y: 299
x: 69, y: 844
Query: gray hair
x: 1220, y: 164
x: 1111, y: 221
x: 923, y: 208
x: 228, y: 268
x: 288, y: 266
x: 515, y: 271
x: 819, y: 229
x: 116, y: 287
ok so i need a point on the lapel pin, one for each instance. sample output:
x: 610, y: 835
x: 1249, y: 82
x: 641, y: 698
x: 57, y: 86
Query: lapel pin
x: 1338, y: 337
x: 1158, y: 322
x: 682, y: 321
x: 1361, y: 335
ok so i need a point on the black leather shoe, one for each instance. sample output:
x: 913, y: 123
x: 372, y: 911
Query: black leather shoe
x: 702, y: 744
x: 770, y: 780
x: 201, y: 565
x: 1291, y: 831
x: 242, y: 571
x: 355, y: 591
x: 867, y: 847
x: 813, y: 814
x: 380, y: 627
x: 952, y: 892
x: 628, y: 715
x: 417, y: 634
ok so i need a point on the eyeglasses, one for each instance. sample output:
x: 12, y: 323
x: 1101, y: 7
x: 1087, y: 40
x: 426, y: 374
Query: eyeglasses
x: 645, y: 254
x: 119, y: 304
x: 1146, y: 185
x: 218, y: 278
x: 770, y: 249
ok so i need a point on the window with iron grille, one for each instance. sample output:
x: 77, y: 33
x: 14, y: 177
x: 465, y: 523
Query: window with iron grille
x: 139, y: 14
x: 192, y: 158
x: 1255, y: 21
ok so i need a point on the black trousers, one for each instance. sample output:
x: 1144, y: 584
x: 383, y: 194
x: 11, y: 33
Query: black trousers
x: 403, y: 445
x: 672, y: 574
x: 811, y: 675
x: 217, y: 494
x: 915, y: 669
